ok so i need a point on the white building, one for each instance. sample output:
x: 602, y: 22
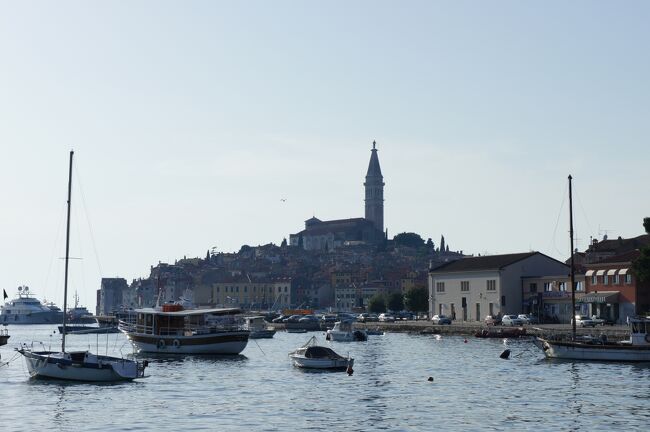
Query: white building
x: 471, y: 288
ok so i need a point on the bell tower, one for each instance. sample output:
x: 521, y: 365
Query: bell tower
x: 375, y: 191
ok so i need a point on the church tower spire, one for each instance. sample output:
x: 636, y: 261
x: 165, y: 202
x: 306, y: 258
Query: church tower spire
x: 375, y: 191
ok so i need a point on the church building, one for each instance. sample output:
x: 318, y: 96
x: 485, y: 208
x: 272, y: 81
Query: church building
x: 328, y: 235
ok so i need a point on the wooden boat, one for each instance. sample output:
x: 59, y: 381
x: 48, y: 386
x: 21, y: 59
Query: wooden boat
x: 171, y: 329
x: 313, y: 356
x: 492, y: 332
x: 634, y: 349
x: 77, y: 365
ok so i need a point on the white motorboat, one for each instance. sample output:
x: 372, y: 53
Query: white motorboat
x: 171, y: 329
x: 26, y: 309
x: 343, y: 332
x: 312, y: 356
x: 634, y: 349
x: 258, y: 328
x: 78, y: 365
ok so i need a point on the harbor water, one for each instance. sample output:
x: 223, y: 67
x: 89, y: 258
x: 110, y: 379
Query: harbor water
x: 472, y: 389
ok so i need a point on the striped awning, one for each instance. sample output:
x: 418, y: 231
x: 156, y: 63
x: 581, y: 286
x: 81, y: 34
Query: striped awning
x: 599, y: 297
x: 611, y: 272
x: 589, y: 273
x: 600, y: 272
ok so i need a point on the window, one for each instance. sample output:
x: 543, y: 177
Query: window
x: 628, y: 279
x: 491, y: 285
x: 605, y: 279
x: 440, y: 287
x: 531, y: 288
x: 548, y: 286
x: 562, y: 286
x: 594, y: 280
x: 217, y: 289
x: 464, y: 285
x: 503, y: 300
x: 580, y: 286
x: 617, y: 280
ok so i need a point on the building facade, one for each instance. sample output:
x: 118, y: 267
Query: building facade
x: 245, y: 294
x: 471, y: 288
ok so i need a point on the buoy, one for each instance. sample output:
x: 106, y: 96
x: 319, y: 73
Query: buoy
x: 465, y: 340
x: 349, y: 370
x: 505, y: 354
x: 430, y: 379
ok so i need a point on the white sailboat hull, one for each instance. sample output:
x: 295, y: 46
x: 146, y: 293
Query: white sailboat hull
x: 604, y: 352
x: 55, y: 365
x: 320, y: 363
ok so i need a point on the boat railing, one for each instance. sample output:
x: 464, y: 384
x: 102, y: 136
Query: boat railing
x: 4, y: 332
x: 186, y: 330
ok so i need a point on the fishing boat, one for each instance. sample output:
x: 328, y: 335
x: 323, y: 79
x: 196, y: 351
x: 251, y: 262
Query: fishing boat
x: 172, y: 329
x: 258, y: 328
x: 77, y: 365
x: 313, y: 356
x: 343, y: 332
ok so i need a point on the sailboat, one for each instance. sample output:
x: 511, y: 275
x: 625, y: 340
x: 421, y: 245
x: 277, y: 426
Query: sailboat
x: 634, y: 349
x: 78, y: 365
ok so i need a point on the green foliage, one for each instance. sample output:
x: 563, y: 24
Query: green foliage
x: 377, y: 304
x: 284, y: 242
x: 417, y: 299
x: 409, y: 239
x: 245, y: 248
x: 641, y: 265
x: 430, y: 245
x: 395, y: 301
x: 646, y: 224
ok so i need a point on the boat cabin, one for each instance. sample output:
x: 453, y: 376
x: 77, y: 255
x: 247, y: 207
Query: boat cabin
x: 173, y: 320
x: 640, y: 331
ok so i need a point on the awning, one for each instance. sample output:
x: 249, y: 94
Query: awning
x: 623, y: 271
x: 589, y: 273
x: 599, y: 297
x: 611, y: 272
x: 600, y: 272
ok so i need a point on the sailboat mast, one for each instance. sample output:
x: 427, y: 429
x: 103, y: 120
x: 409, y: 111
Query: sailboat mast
x: 573, y: 285
x: 67, y: 255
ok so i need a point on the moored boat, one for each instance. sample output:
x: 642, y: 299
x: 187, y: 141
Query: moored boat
x: 4, y: 336
x: 501, y: 333
x: 258, y: 328
x: 26, y: 309
x: 313, y: 356
x: 344, y: 332
x: 634, y: 349
x: 171, y: 329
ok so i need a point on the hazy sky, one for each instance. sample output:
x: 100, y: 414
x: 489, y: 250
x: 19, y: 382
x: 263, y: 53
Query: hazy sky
x: 191, y: 121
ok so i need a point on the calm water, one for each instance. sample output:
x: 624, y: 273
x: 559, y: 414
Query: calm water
x: 259, y: 390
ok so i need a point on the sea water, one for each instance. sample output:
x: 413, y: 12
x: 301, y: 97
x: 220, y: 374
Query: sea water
x: 472, y: 389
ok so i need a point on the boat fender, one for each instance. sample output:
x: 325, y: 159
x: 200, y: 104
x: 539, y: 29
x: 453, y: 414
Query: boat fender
x: 647, y: 337
x: 349, y: 370
x: 161, y: 344
x: 176, y: 343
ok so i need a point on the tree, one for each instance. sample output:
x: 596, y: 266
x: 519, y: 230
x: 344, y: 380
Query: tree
x: 646, y: 225
x: 409, y: 239
x: 284, y: 243
x: 641, y: 265
x: 395, y: 301
x: 430, y: 245
x: 417, y: 299
x: 377, y: 304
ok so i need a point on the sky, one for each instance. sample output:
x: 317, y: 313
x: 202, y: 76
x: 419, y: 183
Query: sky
x: 213, y: 124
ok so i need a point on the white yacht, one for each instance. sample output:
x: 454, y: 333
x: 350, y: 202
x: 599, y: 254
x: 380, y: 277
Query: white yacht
x: 26, y: 309
x: 343, y: 332
x: 258, y: 328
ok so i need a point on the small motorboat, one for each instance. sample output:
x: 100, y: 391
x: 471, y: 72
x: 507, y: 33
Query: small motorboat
x: 296, y: 330
x: 313, y: 356
x: 258, y: 328
x: 343, y: 332
x: 501, y: 333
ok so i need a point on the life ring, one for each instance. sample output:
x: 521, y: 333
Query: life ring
x: 161, y: 344
x: 176, y: 343
x: 647, y: 337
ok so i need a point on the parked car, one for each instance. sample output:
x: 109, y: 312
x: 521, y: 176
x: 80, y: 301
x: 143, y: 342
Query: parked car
x: 328, y: 319
x: 527, y: 319
x: 362, y: 317
x: 280, y: 319
x: 404, y: 315
x: 385, y: 317
x: 292, y: 319
x: 492, y: 320
x: 441, y: 319
x: 511, y: 320
x: 584, y: 321
x: 373, y: 317
x: 308, y: 319
x: 602, y: 321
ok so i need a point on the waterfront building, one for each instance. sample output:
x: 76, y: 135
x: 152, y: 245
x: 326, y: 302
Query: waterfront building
x: 329, y: 235
x: 549, y: 297
x: 470, y: 288
x: 612, y: 290
x: 111, y: 295
x: 246, y: 294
